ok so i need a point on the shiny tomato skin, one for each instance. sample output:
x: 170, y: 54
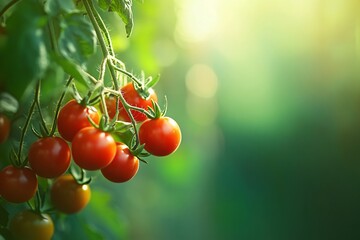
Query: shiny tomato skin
x: 4, y: 128
x: 123, y: 167
x: 29, y: 225
x: 49, y: 157
x: 93, y: 149
x: 68, y: 196
x: 17, y: 184
x: 161, y: 136
x: 73, y: 117
x: 133, y: 98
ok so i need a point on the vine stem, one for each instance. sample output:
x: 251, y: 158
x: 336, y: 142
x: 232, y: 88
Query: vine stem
x: 26, y: 125
x: 90, y: 11
x: 7, y: 6
x: 58, y: 105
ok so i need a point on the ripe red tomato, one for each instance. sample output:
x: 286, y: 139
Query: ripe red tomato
x: 4, y: 128
x: 123, y: 167
x: 17, y: 184
x: 73, y: 117
x: 133, y: 98
x: 93, y: 149
x: 161, y: 136
x: 29, y: 225
x: 68, y: 196
x: 49, y: 157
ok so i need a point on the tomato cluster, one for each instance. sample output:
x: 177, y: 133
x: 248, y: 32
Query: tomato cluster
x: 90, y: 142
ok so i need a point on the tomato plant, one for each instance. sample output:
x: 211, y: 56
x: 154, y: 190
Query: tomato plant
x: 18, y: 184
x: 48, y: 46
x: 93, y: 149
x: 49, y: 157
x: 73, y: 117
x: 161, y: 136
x: 30, y: 225
x: 4, y: 128
x: 69, y: 196
x: 123, y: 167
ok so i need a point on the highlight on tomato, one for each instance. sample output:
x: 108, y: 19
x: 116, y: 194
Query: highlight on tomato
x: 4, y: 127
x: 49, y: 157
x: 93, y: 149
x: 18, y: 184
x: 161, y: 136
x: 123, y: 167
x: 30, y: 225
x: 73, y: 117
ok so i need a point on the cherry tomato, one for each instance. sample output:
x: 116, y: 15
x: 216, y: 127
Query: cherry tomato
x: 49, y: 157
x: 73, y: 117
x: 161, y: 136
x: 123, y: 167
x: 17, y: 184
x: 29, y: 225
x: 68, y: 196
x: 133, y: 98
x: 93, y: 149
x: 4, y: 128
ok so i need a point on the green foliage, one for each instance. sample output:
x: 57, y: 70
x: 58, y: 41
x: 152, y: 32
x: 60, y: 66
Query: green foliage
x: 57, y: 7
x: 26, y: 55
x: 123, y: 9
x: 77, y: 40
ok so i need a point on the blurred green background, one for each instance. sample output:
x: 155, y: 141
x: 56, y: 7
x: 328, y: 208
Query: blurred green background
x: 267, y: 94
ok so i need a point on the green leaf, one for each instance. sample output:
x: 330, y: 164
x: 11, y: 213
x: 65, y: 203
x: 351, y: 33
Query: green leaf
x: 24, y: 56
x: 72, y: 69
x: 8, y: 104
x: 78, y: 39
x: 57, y: 7
x: 123, y: 9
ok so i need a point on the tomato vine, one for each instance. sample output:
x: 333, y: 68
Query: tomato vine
x: 59, y: 37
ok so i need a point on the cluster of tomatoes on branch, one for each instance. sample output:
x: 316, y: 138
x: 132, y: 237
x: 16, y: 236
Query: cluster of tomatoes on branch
x: 108, y: 143
x: 109, y: 128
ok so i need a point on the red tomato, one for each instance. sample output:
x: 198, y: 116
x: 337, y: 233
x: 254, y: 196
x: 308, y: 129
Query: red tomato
x: 111, y: 106
x: 68, y: 196
x: 29, y: 225
x: 4, y: 128
x: 73, y: 117
x: 17, y: 184
x: 161, y: 136
x: 123, y: 167
x: 49, y: 157
x: 93, y: 149
x: 133, y: 98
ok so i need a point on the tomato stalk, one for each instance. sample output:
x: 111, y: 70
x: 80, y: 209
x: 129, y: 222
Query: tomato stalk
x: 26, y: 125
x: 91, y: 10
x: 8, y: 6
x: 58, y: 106
x: 42, y: 120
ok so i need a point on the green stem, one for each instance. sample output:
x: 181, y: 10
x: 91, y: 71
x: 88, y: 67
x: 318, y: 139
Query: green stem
x: 58, y: 106
x: 53, y: 40
x: 90, y: 11
x: 38, y: 202
x: 7, y: 6
x: 26, y: 125
x: 102, y: 26
x: 132, y: 77
x: 43, y: 123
